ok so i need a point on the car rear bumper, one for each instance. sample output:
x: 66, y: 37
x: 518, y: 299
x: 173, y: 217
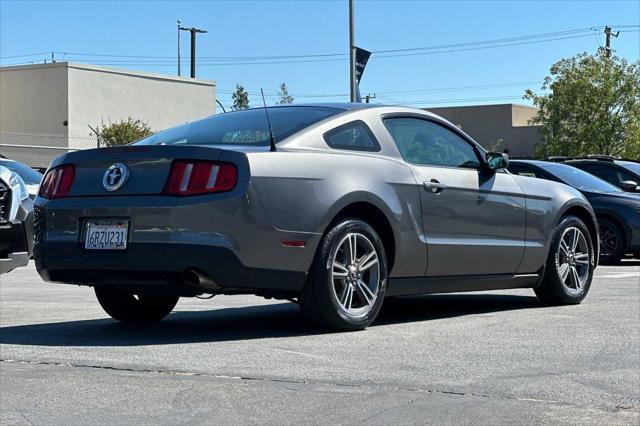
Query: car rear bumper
x: 235, y: 222
x: 13, y: 261
x: 159, y: 266
x: 15, y: 243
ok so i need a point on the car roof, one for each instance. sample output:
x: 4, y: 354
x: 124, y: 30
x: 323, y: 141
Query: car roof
x: 591, y: 161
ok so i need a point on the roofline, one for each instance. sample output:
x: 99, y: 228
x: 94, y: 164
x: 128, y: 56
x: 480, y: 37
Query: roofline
x: 109, y: 70
x: 342, y: 106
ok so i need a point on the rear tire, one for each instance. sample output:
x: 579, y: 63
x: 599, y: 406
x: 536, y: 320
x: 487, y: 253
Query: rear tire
x: 345, y: 291
x: 611, y: 242
x: 569, y: 270
x: 125, y: 306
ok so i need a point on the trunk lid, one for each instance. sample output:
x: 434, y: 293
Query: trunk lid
x: 148, y: 167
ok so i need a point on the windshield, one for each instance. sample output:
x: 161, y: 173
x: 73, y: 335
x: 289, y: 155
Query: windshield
x: 246, y: 127
x: 634, y: 167
x: 580, y: 179
x: 28, y: 175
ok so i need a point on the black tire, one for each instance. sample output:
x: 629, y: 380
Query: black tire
x: 125, y: 306
x: 319, y: 299
x: 552, y: 289
x: 612, y: 242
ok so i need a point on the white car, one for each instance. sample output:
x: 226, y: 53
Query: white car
x: 16, y: 221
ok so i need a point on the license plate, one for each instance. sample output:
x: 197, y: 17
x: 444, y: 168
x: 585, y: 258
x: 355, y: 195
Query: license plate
x: 106, y: 235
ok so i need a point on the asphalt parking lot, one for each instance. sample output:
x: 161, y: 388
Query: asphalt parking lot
x: 481, y: 358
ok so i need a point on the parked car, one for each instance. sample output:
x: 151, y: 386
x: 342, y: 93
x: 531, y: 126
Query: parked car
x: 333, y: 206
x: 31, y: 177
x: 624, y: 174
x: 618, y: 212
x: 16, y: 221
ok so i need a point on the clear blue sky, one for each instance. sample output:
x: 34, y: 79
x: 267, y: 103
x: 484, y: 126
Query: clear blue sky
x: 274, y: 28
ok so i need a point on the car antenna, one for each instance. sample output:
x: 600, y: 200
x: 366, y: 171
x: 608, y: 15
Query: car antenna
x: 266, y: 111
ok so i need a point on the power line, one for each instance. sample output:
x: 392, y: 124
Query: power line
x: 25, y: 55
x: 461, y: 100
x: 264, y: 59
x: 494, y: 41
x: 421, y: 53
x: 208, y: 63
x: 484, y: 47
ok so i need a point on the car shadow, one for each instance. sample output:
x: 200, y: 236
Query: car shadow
x: 245, y: 323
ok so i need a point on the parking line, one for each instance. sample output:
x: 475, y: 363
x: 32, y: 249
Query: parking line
x: 621, y: 275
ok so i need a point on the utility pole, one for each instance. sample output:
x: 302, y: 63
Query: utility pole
x: 369, y: 96
x: 178, y: 47
x: 352, y: 52
x: 608, y: 33
x: 193, y: 32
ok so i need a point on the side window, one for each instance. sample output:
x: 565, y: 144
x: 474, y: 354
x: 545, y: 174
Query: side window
x: 354, y: 136
x: 426, y: 143
x: 603, y: 172
x: 622, y: 176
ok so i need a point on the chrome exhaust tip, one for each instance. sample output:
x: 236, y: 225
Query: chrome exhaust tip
x: 197, y: 278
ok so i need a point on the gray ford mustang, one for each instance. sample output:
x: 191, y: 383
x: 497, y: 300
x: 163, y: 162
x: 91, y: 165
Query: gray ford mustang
x: 333, y: 206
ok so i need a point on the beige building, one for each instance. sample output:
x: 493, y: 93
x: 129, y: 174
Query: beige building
x: 488, y: 124
x: 46, y: 109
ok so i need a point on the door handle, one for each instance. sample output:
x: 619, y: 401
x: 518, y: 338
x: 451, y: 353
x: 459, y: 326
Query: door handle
x: 434, y: 186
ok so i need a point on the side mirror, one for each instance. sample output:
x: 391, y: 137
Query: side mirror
x: 497, y: 160
x: 629, y: 185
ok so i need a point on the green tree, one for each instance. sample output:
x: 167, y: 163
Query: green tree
x: 240, y: 98
x: 590, y: 104
x: 285, y: 97
x: 121, y: 132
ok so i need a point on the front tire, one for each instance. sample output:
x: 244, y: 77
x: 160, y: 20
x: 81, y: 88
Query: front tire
x: 569, y: 270
x: 348, y: 278
x: 125, y: 306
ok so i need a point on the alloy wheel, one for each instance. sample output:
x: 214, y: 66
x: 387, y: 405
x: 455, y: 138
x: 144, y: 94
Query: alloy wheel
x: 608, y: 241
x: 573, y: 260
x: 355, y: 274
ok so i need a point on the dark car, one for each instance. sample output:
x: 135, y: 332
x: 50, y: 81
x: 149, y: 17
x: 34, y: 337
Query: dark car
x: 624, y: 174
x: 32, y: 178
x: 16, y: 221
x: 618, y: 212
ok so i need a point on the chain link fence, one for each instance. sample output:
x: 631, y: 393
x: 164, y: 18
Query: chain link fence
x: 38, y: 150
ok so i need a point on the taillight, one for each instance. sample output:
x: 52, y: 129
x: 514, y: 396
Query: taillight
x: 57, y: 182
x: 195, y: 177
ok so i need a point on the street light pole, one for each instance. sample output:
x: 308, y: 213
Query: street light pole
x: 352, y: 52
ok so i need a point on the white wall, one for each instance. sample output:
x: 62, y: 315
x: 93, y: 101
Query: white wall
x: 99, y: 95
x: 33, y: 99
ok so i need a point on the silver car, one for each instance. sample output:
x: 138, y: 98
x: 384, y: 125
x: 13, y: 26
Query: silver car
x: 332, y: 206
x: 16, y: 221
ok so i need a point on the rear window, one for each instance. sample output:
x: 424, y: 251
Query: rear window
x: 246, y: 127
